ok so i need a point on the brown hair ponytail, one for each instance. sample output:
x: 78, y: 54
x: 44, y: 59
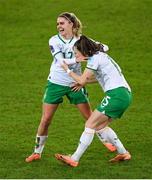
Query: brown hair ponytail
x: 87, y: 46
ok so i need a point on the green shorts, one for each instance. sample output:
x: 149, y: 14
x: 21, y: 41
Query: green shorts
x: 54, y: 94
x: 115, y: 102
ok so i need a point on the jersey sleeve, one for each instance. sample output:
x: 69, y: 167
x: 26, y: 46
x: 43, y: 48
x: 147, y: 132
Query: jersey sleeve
x: 92, y: 63
x: 54, y: 47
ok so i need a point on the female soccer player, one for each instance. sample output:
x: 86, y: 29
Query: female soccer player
x: 116, y: 101
x: 59, y: 83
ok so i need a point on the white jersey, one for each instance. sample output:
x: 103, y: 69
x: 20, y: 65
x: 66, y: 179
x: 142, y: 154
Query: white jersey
x: 65, y: 47
x: 107, y: 72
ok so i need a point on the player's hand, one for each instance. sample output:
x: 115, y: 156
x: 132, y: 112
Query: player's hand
x: 76, y: 87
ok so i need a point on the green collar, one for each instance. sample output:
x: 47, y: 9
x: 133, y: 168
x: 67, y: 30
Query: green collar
x: 64, y: 40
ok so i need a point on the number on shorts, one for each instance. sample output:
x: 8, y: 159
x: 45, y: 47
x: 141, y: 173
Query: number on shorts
x: 105, y: 101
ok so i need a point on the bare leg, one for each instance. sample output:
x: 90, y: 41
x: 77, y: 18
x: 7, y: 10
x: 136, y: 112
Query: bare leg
x: 85, y: 110
x: 41, y: 137
x: 96, y: 119
x: 47, y: 115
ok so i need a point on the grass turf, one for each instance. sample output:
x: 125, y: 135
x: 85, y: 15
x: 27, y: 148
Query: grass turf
x: 25, y: 27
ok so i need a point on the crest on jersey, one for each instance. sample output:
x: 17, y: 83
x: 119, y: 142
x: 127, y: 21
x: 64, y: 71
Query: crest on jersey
x: 52, y: 49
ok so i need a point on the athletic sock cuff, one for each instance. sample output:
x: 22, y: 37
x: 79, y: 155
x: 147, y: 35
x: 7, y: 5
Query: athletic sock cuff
x: 89, y: 130
x: 102, y: 130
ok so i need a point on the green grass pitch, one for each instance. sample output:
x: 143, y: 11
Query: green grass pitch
x: 25, y: 27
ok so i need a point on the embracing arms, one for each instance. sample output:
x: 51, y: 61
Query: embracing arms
x: 86, y: 77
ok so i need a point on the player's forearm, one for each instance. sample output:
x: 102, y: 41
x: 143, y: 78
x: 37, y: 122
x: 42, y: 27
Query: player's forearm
x: 90, y: 81
x: 76, y: 77
x: 81, y: 80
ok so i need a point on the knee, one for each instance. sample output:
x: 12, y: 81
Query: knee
x: 96, y: 125
x: 89, y: 124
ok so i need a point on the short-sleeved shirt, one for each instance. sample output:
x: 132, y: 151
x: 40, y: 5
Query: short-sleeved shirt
x: 57, y: 74
x: 107, y: 72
